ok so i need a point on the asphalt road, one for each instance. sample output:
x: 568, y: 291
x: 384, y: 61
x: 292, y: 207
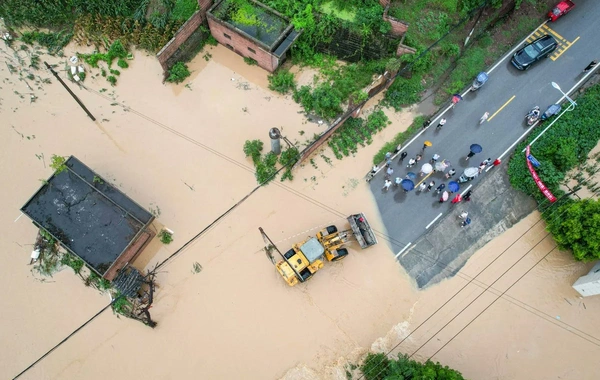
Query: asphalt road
x: 508, y: 96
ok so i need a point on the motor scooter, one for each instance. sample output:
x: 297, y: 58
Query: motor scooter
x: 479, y: 81
x: 551, y: 111
x: 532, y: 116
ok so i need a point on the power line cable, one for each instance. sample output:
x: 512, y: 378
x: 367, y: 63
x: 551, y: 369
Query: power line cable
x: 438, y: 309
x: 493, y: 302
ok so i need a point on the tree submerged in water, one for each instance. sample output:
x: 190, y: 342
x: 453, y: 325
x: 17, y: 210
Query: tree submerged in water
x: 380, y: 367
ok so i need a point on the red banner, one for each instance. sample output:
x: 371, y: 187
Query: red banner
x: 537, y: 179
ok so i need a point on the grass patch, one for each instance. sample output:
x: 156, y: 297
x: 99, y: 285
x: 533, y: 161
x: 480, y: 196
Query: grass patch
x: 344, y: 14
x: 184, y: 9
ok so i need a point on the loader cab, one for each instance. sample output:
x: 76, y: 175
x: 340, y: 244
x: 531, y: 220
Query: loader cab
x: 306, y: 258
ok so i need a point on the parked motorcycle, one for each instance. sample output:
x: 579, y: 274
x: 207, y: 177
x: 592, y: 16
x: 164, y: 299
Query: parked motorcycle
x: 551, y: 111
x: 533, y: 116
x: 479, y: 81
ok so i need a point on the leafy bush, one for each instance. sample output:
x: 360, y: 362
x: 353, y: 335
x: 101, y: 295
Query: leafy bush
x: 112, y: 80
x: 57, y: 164
x: 250, y: 61
x: 115, y: 51
x: 165, y: 237
x: 178, y: 72
x: 54, y: 42
x: 265, y: 169
x: 575, y: 225
x: 72, y: 262
x: 404, y: 92
x: 380, y: 367
x: 282, y: 81
x: 253, y: 149
x: 122, y: 63
x: 356, y: 131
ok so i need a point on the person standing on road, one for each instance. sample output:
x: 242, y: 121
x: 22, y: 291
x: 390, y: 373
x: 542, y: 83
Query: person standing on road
x: 422, y: 186
x: 418, y: 157
x: 389, y: 172
x: 467, y: 196
x: 398, y: 149
x: 388, y: 155
x: 450, y: 173
x: 434, y: 158
x: 402, y: 157
x: 482, y: 166
x: 372, y: 173
x: 466, y: 222
x: 463, y: 215
x: 386, y: 185
x: 441, y: 123
x: 590, y: 66
x: 426, y: 123
x: 431, y: 185
x: 411, y: 163
x: 484, y: 118
x: 471, y: 154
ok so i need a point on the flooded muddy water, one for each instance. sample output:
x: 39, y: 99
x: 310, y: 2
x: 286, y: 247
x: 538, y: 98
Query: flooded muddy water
x: 177, y: 150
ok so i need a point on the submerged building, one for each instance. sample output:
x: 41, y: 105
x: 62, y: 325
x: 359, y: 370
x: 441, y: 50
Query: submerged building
x: 90, y: 218
x: 252, y: 30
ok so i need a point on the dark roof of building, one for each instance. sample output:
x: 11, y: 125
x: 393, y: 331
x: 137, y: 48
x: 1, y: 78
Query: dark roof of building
x: 87, y: 215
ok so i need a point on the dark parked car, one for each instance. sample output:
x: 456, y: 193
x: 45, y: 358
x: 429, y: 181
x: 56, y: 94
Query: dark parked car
x: 533, y: 52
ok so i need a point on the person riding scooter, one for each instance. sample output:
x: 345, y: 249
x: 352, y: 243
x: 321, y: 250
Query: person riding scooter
x: 533, y: 115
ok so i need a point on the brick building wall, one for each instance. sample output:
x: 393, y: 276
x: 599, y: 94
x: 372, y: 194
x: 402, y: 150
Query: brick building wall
x: 399, y: 28
x: 180, y: 37
x: 204, y: 5
x: 242, y: 45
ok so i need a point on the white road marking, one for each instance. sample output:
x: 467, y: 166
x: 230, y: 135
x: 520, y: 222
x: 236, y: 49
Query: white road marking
x: 433, y: 221
x: 403, y: 249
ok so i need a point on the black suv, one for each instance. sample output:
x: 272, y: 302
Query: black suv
x: 533, y: 52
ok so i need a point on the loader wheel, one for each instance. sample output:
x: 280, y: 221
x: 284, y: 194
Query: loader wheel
x: 341, y: 253
x: 331, y: 230
x: 288, y: 255
x: 305, y: 274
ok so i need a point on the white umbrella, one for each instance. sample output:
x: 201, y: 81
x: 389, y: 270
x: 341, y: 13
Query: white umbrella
x: 471, y: 172
x: 427, y: 168
x: 440, y: 166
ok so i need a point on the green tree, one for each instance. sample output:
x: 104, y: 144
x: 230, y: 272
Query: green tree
x: 576, y: 226
x: 380, y: 367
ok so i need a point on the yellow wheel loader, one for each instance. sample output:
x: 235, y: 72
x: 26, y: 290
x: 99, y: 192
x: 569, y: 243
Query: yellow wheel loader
x: 306, y: 258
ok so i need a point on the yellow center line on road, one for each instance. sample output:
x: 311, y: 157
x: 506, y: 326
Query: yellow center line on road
x: 500, y: 109
x: 555, y: 56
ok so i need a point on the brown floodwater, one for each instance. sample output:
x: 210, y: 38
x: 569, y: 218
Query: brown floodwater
x: 177, y: 150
